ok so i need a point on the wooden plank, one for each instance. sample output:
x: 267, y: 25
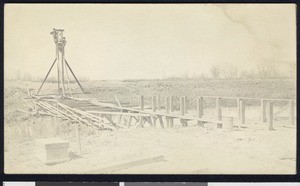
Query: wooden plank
x: 117, y: 113
x: 51, y: 110
x: 248, y: 98
x: 127, y: 165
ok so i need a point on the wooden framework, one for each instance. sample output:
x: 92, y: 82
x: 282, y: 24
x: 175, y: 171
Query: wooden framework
x: 63, y: 66
x: 110, y: 116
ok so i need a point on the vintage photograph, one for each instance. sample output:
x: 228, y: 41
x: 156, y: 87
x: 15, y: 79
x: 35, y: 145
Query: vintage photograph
x: 150, y: 89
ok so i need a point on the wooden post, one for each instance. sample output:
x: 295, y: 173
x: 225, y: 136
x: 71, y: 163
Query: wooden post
x: 263, y: 105
x: 153, y: 103
x: 185, y: 104
x: 172, y: 103
x: 161, y: 121
x: 171, y: 110
x: 292, y: 112
x: 158, y: 106
x: 142, y: 108
x: 78, y: 137
x: 238, y: 108
x: 167, y: 107
x: 228, y: 123
x: 28, y: 128
x: 167, y: 104
x: 200, y: 110
x: 182, y: 112
x: 171, y: 122
x: 154, y: 110
x: 129, y: 122
x: 270, y: 115
x: 142, y: 102
x: 219, y: 109
x: 242, y: 113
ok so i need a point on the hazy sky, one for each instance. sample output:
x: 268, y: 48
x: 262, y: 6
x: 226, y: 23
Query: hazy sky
x: 110, y: 41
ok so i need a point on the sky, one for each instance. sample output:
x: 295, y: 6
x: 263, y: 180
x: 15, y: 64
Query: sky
x: 132, y: 41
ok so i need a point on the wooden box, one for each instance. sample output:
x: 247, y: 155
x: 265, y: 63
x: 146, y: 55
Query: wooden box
x: 52, y: 150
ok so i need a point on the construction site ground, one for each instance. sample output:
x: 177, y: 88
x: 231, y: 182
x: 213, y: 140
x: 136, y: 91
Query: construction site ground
x: 185, y: 150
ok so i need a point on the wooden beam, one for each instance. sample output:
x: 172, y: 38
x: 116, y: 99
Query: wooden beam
x: 117, y: 113
x: 186, y: 106
x: 167, y: 109
x: 292, y: 112
x: 155, y: 113
x: 142, y: 102
x: 46, y: 76
x: 182, y: 111
x: 242, y: 111
x: 161, y: 121
x: 219, y: 109
x: 238, y: 108
x: 172, y: 103
x: 248, y: 98
x: 263, y: 106
x: 74, y: 76
x: 158, y: 106
x: 154, y: 103
x: 270, y: 115
x: 200, y: 108
x: 127, y: 165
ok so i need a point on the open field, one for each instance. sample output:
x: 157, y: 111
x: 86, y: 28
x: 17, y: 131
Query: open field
x: 190, y: 150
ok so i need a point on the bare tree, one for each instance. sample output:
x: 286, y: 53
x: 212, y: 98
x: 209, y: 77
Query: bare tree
x: 266, y: 70
x: 231, y: 72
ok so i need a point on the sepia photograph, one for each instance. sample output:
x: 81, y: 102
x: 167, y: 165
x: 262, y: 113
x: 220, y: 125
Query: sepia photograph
x: 185, y: 89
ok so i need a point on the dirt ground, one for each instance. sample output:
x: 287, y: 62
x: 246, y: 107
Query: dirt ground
x: 189, y: 150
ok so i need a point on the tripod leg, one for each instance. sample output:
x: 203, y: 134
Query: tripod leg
x: 74, y: 76
x: 46, y: 76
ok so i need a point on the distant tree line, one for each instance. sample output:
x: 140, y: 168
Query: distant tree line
x: 262, y: 71
x: 28, y: 77
x: 230, y: 71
